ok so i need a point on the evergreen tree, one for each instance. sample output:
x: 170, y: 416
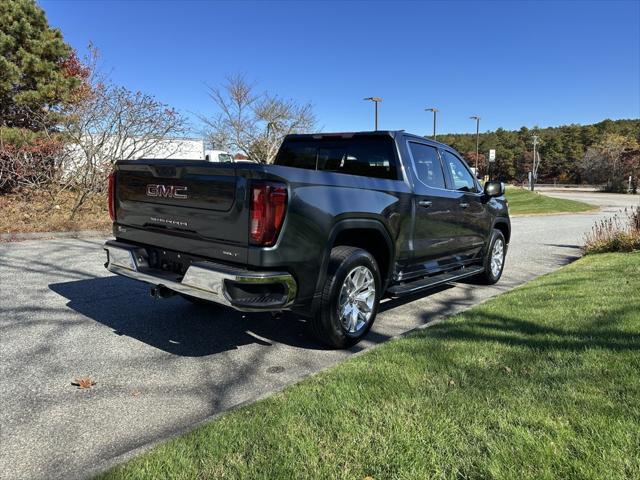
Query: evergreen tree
x: 34, y: 78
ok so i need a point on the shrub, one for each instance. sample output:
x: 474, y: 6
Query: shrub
x: 30, y: 160
x: 620, y: 233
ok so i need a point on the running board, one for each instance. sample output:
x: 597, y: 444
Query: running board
x: 430, y: 282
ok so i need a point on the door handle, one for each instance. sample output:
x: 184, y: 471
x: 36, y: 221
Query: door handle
x: 464, y: 205
x: 425, y: 203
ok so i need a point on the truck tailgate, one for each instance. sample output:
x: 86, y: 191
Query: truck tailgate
x: 173, y: 204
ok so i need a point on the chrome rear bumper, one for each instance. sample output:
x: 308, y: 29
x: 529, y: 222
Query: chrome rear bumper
x: 207, y: 280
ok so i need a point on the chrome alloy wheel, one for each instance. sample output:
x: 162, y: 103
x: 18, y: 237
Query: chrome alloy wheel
x: 497, y: 257
x: 356, y: 300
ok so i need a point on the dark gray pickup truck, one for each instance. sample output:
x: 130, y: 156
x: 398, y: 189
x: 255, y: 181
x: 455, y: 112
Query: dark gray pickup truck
x: 337, y: 223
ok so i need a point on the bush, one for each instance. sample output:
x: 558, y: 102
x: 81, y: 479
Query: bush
x: 620, y: 233
x: 29, y: 160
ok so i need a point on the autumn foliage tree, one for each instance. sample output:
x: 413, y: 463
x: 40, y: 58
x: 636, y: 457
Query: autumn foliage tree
x: 39, y: 76
x: 612, y: 161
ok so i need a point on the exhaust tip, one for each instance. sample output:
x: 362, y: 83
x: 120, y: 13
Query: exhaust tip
x: 160, y: 291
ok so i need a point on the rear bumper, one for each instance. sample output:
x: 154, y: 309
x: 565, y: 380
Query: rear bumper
x: 241, y: 289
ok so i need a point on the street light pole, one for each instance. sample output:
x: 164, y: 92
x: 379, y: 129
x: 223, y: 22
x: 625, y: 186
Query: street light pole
x: 375, y: 100
x: 477, y: 119
x: 435, y: 111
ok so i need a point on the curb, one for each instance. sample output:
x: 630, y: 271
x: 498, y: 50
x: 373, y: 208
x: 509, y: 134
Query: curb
x: 549, y: 214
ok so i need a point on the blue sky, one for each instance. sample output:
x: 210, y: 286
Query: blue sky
x: 514, y: 63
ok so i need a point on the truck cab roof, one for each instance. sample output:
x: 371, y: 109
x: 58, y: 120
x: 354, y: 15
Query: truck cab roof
x: 391, y: 133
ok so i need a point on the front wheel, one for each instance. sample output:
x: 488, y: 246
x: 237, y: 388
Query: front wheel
x: 494, y: 259
x: 350, y: 298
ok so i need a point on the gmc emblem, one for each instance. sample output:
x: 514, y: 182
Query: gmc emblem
x: 166, y: 191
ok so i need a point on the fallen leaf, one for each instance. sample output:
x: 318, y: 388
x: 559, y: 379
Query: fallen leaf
x: 84, y: 382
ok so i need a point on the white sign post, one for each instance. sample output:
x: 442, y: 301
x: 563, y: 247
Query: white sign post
x: 492, y: 159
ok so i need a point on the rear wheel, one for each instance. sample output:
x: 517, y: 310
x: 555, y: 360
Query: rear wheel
x: 350, y: 298
x: 494, y: 259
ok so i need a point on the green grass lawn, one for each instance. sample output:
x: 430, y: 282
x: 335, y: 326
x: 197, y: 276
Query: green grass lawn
x: 523, y: 201
x: 542, y: 382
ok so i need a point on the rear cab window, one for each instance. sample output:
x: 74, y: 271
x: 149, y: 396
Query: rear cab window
x: 366, y: 155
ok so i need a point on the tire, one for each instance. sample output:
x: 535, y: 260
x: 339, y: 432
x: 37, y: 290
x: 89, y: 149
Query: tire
x: 351, y: 270
x: 492, y: 270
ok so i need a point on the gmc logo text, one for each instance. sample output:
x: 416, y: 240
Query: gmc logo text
x: 166, y: 191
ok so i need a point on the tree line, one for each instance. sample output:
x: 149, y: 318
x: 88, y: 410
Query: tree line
x: 605, y: 153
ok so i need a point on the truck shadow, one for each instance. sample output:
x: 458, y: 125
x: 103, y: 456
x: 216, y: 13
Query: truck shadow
x: 174, y: 325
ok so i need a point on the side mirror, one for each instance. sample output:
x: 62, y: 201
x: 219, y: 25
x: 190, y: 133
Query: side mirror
x: 494, y: 189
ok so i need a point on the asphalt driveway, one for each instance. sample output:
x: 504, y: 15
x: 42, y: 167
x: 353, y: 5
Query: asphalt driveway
x: 161, y: 366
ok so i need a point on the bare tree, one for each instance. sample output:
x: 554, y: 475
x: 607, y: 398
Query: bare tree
x: 108, y: 123
x: 254, y: 123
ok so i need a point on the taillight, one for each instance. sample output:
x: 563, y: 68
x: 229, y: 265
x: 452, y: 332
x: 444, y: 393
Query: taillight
x: 112, y: 196
x: 268, y: 206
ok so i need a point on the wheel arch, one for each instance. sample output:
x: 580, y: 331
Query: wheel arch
x: 368, y: 234
x: 504, y: 226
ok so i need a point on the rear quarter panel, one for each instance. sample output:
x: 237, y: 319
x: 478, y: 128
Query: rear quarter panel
x: 318, y: 201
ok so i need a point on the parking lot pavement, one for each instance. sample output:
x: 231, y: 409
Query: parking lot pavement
x: 162, y: 365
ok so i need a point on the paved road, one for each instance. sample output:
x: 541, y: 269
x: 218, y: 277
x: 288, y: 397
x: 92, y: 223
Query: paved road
x: 161, y: 366
x: 604, y: 200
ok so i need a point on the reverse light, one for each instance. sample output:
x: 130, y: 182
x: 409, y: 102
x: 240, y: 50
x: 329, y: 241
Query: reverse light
x: 268, y: 206
x: 112, y: 196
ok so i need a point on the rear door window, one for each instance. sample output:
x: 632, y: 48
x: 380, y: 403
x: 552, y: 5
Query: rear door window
x: 369, y: 156
x: 427, y: 164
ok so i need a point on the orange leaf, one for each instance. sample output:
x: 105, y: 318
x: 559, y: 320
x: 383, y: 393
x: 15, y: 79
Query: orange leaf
x: 83, y: 382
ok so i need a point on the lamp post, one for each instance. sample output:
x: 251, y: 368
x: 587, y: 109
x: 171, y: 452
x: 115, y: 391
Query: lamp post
x: 435, y: 111
x: 375, y: 100
x: 477, y: 119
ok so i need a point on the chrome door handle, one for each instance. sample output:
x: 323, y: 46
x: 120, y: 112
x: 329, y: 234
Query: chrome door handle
x: 425, y: 203
x: 464, y: 205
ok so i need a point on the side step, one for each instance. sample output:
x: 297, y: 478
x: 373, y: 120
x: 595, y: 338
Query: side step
x: 430, y: 282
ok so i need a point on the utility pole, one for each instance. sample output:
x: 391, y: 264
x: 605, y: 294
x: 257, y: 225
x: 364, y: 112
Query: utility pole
x: 375, y: 100
x: 477, y: 119
x: 534, y: 167
x: 435, y: 111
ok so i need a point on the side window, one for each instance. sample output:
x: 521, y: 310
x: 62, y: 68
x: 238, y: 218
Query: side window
x: 427, y: 164
x: 462, y: 178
